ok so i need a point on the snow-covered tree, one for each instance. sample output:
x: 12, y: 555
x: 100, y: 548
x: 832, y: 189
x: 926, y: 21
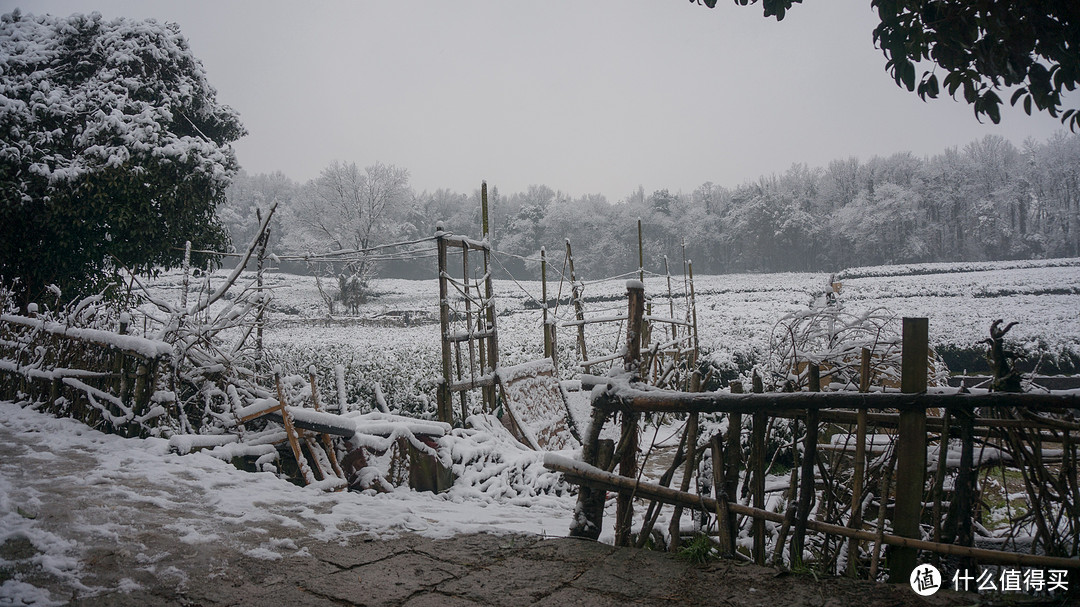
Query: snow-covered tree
x: 348, y: 210
x: 113, y: 150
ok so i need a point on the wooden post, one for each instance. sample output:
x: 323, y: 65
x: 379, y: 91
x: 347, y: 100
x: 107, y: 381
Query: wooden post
x: 725, y: 522
x: 624, y: 508
x: 640, y: 252
x: 589, y: 513
x: 806, y: 479
x: 445, y: 410
x: 813, y: 377
x: 579, y: 308
x: 911, y: 450
x: 549, y: 338
x: 484, y: 210
x: 489, y: 304
x: 733, y: 452
x: 964, y: 489
x: 757, y: 453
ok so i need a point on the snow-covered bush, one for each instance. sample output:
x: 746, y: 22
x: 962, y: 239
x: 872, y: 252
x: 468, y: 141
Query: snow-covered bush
x: 113, y: 150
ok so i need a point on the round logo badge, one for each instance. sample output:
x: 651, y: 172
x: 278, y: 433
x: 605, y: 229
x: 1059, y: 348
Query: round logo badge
x: 925, y: 580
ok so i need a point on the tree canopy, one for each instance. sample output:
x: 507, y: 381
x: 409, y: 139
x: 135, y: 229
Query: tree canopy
x: 113, y: 150
x: 979, y: 48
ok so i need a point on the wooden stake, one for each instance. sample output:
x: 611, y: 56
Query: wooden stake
x: 629, y: 443
x: 910, y: 449
x: 806, y: 487
x: 724, y: 520
x: 640, y: 252
x: 445, y: 406
x: 757, y: 454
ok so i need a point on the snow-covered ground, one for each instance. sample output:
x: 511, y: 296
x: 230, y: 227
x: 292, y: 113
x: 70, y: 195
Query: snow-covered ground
x: 108, y: 481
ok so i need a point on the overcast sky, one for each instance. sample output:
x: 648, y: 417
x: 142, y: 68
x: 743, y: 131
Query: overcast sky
x: 596, y: 96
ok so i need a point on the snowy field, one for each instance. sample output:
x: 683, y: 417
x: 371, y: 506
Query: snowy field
x: 736, y: 316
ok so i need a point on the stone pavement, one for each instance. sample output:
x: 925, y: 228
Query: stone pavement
x: 468, y: 570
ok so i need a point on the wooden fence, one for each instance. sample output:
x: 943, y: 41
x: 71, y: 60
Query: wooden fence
x: 105, y: 379
x: 904, y: 414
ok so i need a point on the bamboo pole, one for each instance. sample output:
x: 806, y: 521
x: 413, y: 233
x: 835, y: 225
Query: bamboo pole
x: 579, y: 309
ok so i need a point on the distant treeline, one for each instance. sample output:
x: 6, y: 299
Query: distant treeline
x: 989, y: 200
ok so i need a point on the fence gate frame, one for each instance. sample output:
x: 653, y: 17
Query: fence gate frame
x: 480, y: 337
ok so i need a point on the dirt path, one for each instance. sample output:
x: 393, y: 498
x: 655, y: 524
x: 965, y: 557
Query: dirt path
x: 81, y: 528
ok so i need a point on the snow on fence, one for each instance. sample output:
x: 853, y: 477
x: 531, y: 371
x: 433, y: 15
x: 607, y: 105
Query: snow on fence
x: 110, y: 381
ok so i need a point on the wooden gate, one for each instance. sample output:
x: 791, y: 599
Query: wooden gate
x: 470, y: 345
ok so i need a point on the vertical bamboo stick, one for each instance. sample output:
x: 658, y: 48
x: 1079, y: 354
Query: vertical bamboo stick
x: 579, y: 308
